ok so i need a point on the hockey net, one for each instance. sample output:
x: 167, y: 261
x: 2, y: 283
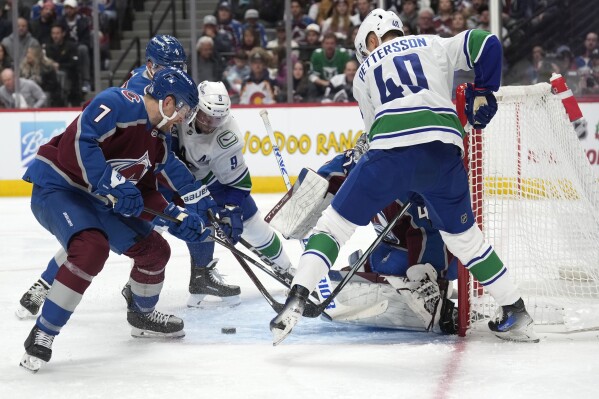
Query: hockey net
x: 536, y: 198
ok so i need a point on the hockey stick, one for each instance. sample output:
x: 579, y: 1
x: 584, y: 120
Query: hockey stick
x: 364, y: 257
x: 275, y: 148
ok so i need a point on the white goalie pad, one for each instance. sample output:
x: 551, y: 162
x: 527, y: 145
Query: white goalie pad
x: 301, y: 207
x: 400, y: 308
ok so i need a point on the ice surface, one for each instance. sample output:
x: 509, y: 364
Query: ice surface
x: 95, y: 357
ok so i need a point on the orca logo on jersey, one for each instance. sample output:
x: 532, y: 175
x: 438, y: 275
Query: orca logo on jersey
x: 36, y: 134
x: 132, y: 169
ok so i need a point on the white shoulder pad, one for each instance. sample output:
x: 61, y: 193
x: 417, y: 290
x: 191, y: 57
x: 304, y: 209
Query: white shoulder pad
x: 299, y: 210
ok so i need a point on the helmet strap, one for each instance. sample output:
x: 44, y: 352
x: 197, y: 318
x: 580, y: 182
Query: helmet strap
x: 165, y: 119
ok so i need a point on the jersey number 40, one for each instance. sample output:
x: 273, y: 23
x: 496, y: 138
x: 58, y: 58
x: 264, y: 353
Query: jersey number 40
x: 389, y: 90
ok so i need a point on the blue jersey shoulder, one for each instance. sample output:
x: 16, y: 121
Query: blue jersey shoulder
x: 115, y: 106
x: 138, y: 81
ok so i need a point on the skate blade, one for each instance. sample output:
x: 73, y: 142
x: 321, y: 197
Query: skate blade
x: 22, y: 313
x: 526, y: 334
x: 31, y: 363
x: 278, y: 335
x: 201, y: 301
x: 138, y: 333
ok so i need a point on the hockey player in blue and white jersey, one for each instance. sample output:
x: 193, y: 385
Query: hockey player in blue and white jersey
x: 162, y: 51
x: 92, y: 182
x: 212, y: 148
x: 403, y: 88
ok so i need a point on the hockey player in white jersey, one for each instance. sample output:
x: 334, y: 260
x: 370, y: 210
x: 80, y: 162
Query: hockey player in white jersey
x: 403, y: 88
x: 212, y: 149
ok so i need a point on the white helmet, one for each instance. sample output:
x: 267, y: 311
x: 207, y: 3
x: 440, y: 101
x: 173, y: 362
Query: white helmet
x: 214, y: 105
x: 379, y: 22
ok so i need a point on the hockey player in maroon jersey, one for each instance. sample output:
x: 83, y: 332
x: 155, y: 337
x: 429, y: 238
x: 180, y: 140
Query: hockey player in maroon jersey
x: 113, y: 150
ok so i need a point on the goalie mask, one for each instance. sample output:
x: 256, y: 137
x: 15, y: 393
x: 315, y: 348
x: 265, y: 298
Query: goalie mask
x: 214, y: 106
x: 379, y: 22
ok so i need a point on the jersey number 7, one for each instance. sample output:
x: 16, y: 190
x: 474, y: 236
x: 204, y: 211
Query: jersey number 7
x: 388, y: 90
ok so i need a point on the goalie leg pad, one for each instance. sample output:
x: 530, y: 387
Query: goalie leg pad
x: 299, y: 210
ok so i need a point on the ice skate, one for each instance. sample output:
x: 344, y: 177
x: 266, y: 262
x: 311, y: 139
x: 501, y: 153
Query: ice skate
x: 208, y: 289
x: 38, y: 350
x: 284, y: 322
x: 286, y: 274
x: 32, y: 300
x: 513, y: 323
x: 151, y: 325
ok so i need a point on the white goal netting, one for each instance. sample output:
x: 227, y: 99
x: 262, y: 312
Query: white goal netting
x: 536, y: 197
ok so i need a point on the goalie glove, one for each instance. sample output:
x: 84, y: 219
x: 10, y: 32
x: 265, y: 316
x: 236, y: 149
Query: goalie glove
x: 481, y: 106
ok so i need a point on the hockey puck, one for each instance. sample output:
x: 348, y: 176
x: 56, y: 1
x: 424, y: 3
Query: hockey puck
x: 228, y: 330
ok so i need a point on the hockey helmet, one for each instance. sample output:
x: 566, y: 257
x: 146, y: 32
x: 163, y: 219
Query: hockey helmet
x: 166, y: 51
x: 379, y: 22
x: 214, y: 105
x: 174, y: 82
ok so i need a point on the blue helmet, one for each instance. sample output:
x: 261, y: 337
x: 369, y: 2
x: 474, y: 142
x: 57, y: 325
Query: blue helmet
x: 174, y: 82
x: 166, y: 51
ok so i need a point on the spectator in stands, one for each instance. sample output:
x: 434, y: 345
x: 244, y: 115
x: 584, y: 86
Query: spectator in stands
x: 443, y: 19
x: 271, y: 11
x: 583, y: 61
x: 210, y: 65
x: 540, y: 69
x: 78, y: 28
x: 226, y: 24
x: 339, y: 21
x: 425, y: 22
x: 363, y: 7
x: 251, y: 21
x: 40, y: 69
x: 327, y: 62
x: 5, y: 25
x: 234, y: 75
x: 239, y: 7
x: 409, y: 14
x: 341, y: 87
x: 42, y: 26
x: 249, y: 39
x: 5, y: 60
x: 37, y: 8
x: 25, y: 40
x: 280, y: 63
x: 65, y: 54
x: 279, y: 41
x: 321, y: 10
x: 458, y: 23
x: 258, y: 88
x: 312, y: 42
x: 30, y: 94
x: 223, y: 42
x: 589, y: 82
x: 299, y: 22
x: 304, y: 90
x: 564, y: 59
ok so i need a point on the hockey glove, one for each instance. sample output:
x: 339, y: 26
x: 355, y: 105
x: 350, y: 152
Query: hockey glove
x: 481, y: 106
x: 190, y: 229
x: 127, y: 198
x: 197, y: 199
x: 231, y: 220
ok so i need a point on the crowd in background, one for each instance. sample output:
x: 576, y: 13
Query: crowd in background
x: 243, y: 44
x: 55, y: 50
